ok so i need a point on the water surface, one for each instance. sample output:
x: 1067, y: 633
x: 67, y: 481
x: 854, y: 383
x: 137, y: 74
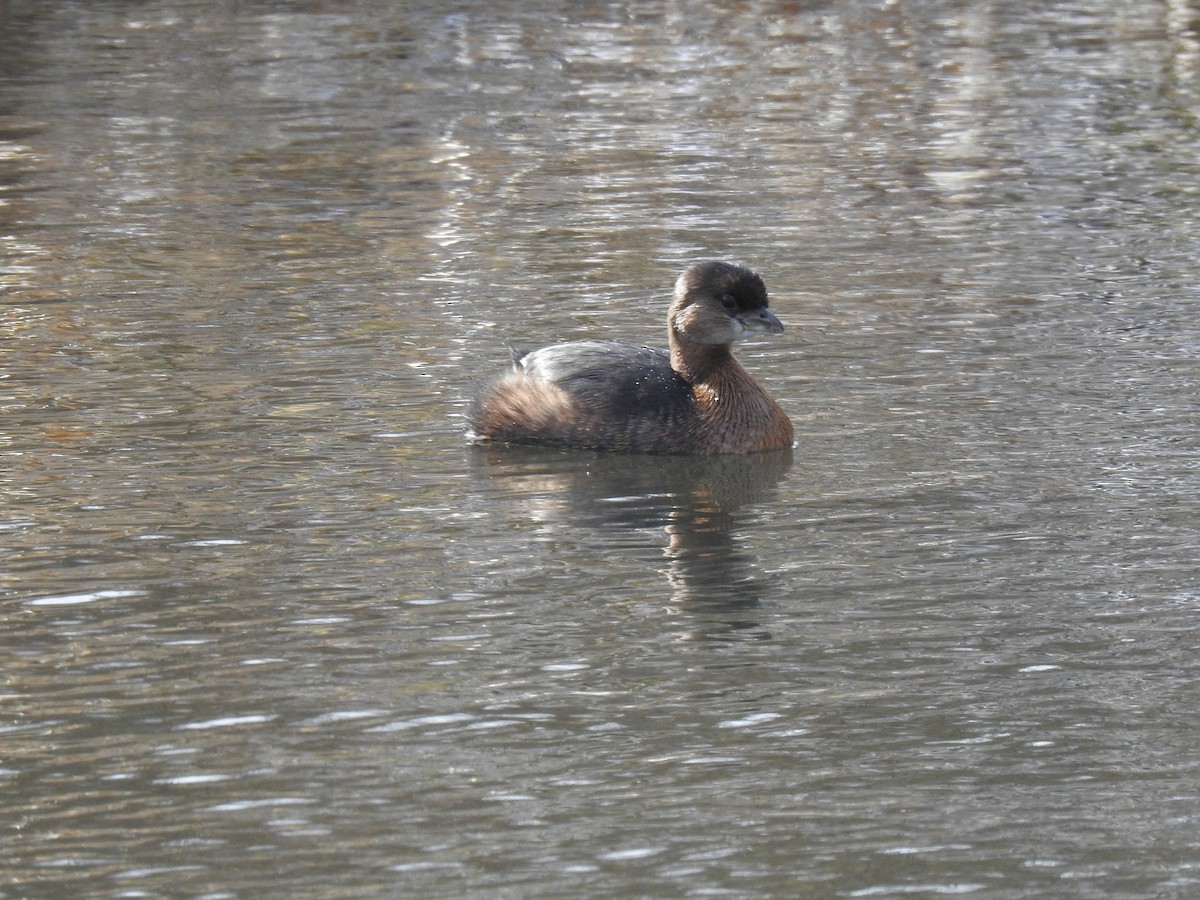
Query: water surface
x: 271, y: 626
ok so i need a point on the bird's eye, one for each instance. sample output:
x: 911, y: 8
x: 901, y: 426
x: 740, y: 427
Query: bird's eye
x: 728, y: 302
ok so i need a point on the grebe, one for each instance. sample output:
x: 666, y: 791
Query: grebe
x: 613, y: 395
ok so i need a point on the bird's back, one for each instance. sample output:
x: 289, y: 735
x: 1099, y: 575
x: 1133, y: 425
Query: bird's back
x: 612, y: 378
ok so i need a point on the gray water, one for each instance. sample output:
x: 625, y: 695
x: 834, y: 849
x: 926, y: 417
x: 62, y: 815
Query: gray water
x: 272, y: 627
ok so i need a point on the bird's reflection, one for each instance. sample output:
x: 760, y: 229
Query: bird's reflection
x: 713, y: 576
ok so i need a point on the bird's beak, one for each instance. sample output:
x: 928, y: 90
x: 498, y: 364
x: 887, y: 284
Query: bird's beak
x: 761, y: 319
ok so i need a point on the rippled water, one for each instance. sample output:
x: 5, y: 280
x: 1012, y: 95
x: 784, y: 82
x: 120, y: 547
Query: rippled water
x: 272, y: 627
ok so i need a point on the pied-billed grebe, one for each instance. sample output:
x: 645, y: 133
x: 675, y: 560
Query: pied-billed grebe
x: 612, y: 395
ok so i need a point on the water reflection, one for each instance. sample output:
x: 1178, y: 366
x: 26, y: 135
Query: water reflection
x: 699, y: 505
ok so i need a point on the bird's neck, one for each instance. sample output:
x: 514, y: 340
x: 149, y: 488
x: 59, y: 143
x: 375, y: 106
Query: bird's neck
x: 700, y: 362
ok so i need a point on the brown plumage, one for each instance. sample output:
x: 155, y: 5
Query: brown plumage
x: 612, y: 395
